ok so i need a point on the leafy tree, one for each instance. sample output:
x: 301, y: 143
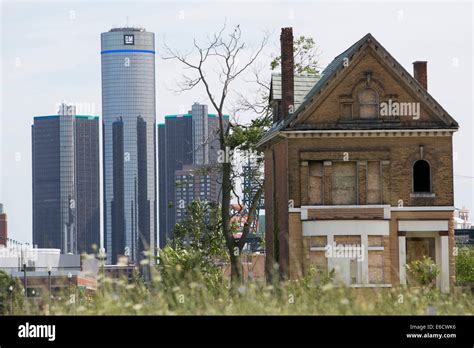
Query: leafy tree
x: 306, y: 57
x: 196, y: 249
x: 200, y: 231
x: 465, y: 265
x: 6, y: 281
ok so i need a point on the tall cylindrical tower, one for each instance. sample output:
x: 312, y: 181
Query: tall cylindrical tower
x: 129, y: 135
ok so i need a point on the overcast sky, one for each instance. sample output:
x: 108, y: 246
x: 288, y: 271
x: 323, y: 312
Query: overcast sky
x: 50, y: 51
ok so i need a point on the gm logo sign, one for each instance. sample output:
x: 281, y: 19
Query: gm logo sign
x: 128, y: 39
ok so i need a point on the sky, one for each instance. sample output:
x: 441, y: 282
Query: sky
x: 50, y: 52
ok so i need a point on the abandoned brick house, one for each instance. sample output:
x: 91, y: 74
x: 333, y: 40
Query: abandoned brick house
x: 364, y: 159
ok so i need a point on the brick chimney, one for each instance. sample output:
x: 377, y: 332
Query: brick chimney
x: 287, y: 72
x: 420, y: 73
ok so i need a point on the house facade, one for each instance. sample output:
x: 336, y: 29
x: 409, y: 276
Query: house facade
x: 359, y: 178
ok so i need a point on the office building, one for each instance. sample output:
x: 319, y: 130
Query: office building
x: 65, y: 155
x: 129, y: 140
x: 188, y: 146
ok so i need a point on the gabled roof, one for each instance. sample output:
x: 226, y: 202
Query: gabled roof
x: 338, y: 64
x: 302, y: 85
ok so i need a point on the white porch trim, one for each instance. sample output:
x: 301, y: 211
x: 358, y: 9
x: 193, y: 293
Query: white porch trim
x: 346, y: 227
x: 422, y: 225
x: 402, y: 259
x: 444, y: 264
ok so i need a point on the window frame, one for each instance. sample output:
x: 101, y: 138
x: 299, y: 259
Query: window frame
x: 413, y: 177
x: 376, y: 103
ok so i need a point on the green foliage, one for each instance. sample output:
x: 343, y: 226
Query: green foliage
x: 198, y: 246
x: 424, y: 271
x: 6, y: 295
x: 246, y: 137
x: 200, y: 231
x: 465, y: 265
x: 305, y: 56
x: 179, y: 267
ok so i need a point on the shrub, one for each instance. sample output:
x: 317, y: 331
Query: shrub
x: 423, y: 271
x: 465, y: 265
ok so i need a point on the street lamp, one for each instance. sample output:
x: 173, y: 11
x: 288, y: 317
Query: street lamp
x: 11, y: 299
x: 25, y: 285
x: 69, y: 277
x: 49, y: 279
x: 71, y: 300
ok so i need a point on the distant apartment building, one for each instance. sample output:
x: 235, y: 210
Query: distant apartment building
x: 463, y: 228
x: 251, y: 182
x: 186, y: 143
x: 3, y: 226
x: 129, y: 142
x: 65, y: 155
x: 194, y: 183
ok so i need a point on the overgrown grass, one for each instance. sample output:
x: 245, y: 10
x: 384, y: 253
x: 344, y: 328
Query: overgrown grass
x: 189, y: 294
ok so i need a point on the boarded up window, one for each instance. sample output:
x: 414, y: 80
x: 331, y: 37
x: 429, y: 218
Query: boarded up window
x: 315, y: 182
x: 374, y: 195
x: 375, y: 241
x: 375, y: 267
x: 347, y: 240
x: 344, y: 183
x: 319, y: 261
x: 346, y: 111
x: 368, y: 103
x: 318, y: 241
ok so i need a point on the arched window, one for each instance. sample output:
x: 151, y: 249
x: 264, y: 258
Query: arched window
x: 368, y: 103
x: 421, y: 176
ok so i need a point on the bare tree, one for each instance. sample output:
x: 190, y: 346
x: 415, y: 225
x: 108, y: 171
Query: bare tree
x: 221, y: 55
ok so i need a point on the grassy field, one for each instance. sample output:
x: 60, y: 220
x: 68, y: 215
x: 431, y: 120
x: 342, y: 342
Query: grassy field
x: 194, y: 297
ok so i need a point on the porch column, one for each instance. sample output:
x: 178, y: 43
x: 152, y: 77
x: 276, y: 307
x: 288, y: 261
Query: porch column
x: 330, y: 241
x: 444, y: 237
x: 365, y: 263
x: 402, y: 257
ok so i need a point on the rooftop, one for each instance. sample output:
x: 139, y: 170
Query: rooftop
x: 128, y: 29
x: 302, y: 85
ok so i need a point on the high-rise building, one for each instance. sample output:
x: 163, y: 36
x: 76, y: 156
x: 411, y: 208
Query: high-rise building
x: 174, y: 151
x: 186, y: 143
x: 129, y: 137
x: 252, y: 178
x: 194, y: 183
x: 3, y: 226
x: 65, y: 154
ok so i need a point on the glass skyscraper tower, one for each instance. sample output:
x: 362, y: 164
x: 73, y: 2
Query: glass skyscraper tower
x: 129, y: 136
x: 66, y: 208
x: 186, y: 143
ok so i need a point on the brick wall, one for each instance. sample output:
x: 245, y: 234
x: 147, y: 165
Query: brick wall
x: 345, y: 213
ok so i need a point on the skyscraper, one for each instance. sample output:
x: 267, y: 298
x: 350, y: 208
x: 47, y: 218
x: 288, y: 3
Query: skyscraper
x: 175, y: 150
x: 129, y: 137
x: 66, y: 212
x: 185, y: 144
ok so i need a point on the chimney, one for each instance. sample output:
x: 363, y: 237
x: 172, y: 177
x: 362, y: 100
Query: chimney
x: 420, y: 73
x: 287, y: 72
